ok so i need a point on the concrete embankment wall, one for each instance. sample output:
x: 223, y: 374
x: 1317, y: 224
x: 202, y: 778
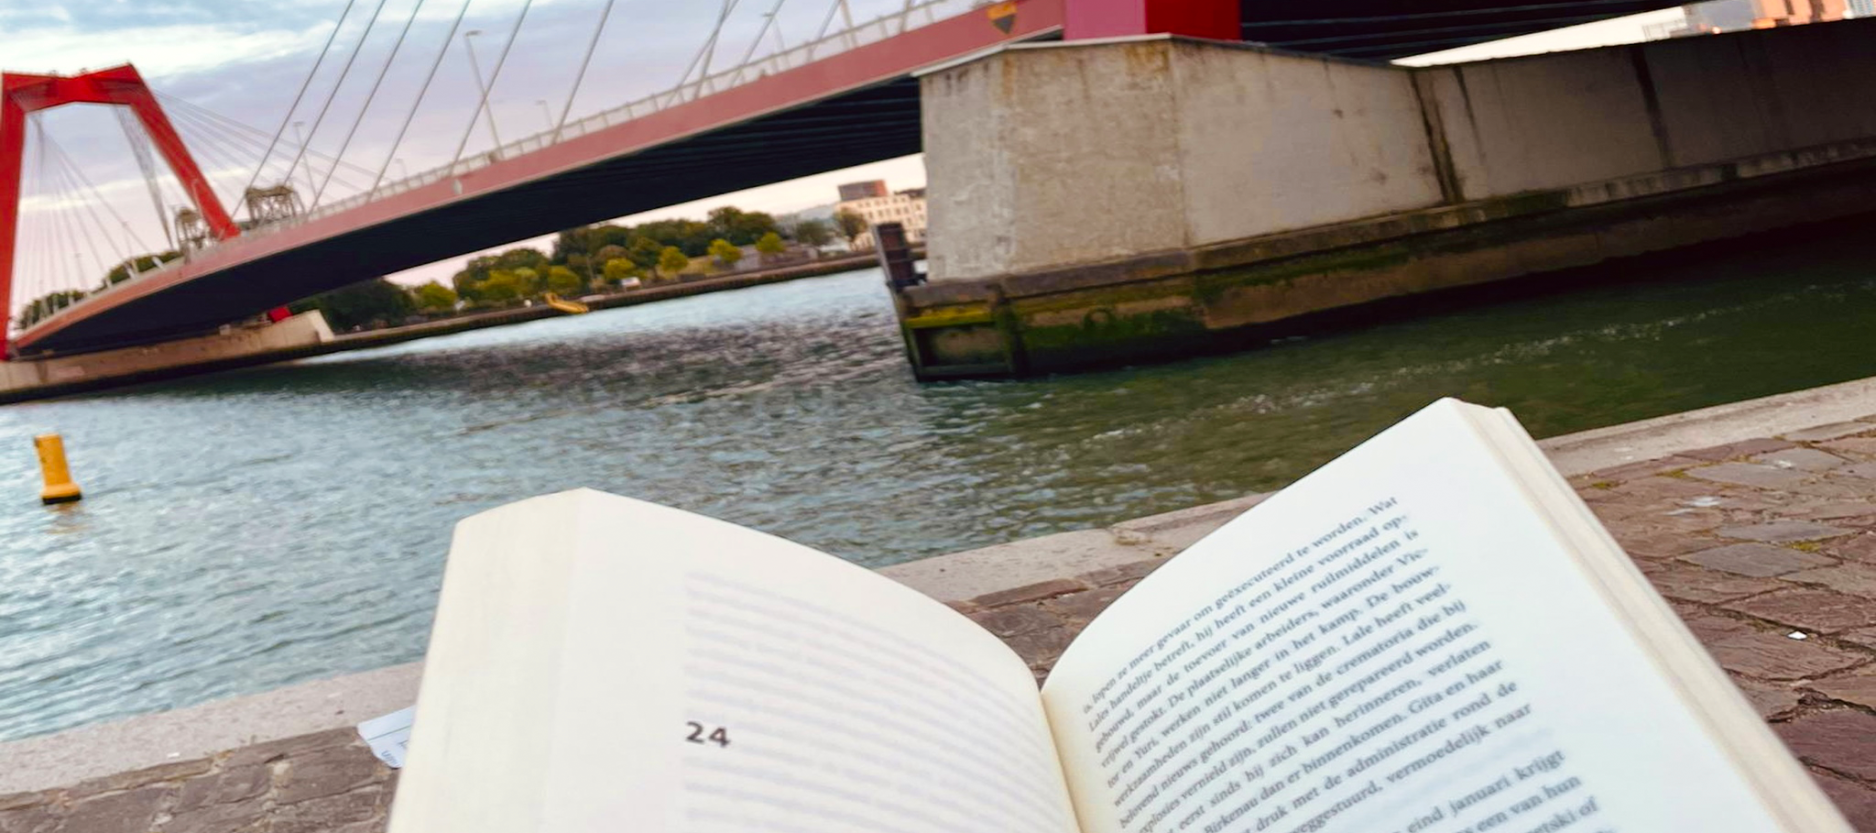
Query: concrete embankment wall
x: 1155, y: 190
x: 30, y: 379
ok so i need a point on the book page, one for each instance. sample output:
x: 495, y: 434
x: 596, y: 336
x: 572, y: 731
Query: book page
x: 603, y: 664
x: 1396, y: 644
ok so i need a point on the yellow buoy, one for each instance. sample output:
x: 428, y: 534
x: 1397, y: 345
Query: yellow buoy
x: 59, y: 485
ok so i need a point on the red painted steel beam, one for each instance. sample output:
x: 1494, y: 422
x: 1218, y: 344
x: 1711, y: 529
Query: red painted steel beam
x: 1213, y: 19
x: 21, y: 94
x: 884, y: 60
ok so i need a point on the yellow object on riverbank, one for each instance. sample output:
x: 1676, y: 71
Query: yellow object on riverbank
x: 564, y: 305
x: 59, y: 485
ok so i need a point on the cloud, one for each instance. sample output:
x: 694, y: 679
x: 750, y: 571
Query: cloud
x: 163, y: 50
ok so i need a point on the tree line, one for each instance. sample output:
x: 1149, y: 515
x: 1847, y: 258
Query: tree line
x: 581, y: 260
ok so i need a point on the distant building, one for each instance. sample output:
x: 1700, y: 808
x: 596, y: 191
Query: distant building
x: 1735, y: 15
x: 862, y: 190
x: 905, y: 207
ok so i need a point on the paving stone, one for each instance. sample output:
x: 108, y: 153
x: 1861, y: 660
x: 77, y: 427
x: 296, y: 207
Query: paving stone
x: 227, y: 786
x: 1767, y: 698
x: 1738, y: 449
x: 1644, y: 468
x: 241, y: 817
x: 1680, y: 581
x: 32, y: 799
x: 1840, y: 740
x: 1659, y: 543
x: 1856, y: 801
x: 126, y: 812
x: 322, y: 815
x: 151, y: 775
x: 1802, y: 459
x: 1864, y: 471
x: 1820, y: 611
x: 1844, y: 509
x: 1855, y: 579
x: 276, y: 749
x: 1762, y: 560
x: 1127, y: 574
x: 1863, y: 447
x: 1864, y: 637
x: 1079, y: 608
x: 1040, y: 649
x: 1835, y: 430
x: 1030, y: 593
x: 1773, y: 656
x: 1013, y: 620
x: 1783, y: 532
x: 1709, y: 627
x: 40, y: 819
x: 1860, y: 547
x: 1749, y: 474
x: 1662, y: 492
x: 327, y: 772
x: 1858, y: 687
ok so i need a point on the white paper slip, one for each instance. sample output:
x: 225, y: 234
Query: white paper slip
x: 389, y: 735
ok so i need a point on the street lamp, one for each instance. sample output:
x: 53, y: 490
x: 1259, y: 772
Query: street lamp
x: 402, y: 171
x: 481, y: 88
x: 546, y: 113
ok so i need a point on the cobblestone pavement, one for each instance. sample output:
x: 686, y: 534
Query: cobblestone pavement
x: 1751, y: 542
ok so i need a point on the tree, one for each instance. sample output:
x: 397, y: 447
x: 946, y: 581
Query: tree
x: 645, y: 252
x: 618, y: 269
x: 435, y: 297
x: 45, y: 305
x: 771, y: 244
x: 372, y: 303
x: 564, y: 282
x: 609, y: 251
x: 813, y: 233
x: 851, y: 225
x: 143, y: 263
x: 522, y: 258
x: 502, y: 287
x: 739, y: 227
x: 725, y: 251
x: 672, y: 261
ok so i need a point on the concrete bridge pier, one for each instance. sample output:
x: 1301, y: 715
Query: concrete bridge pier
x: 1115, y: 199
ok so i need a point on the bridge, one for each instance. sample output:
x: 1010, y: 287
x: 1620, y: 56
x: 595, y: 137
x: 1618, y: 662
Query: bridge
x: 846, y: 97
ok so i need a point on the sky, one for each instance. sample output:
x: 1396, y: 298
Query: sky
x: 245, y: 61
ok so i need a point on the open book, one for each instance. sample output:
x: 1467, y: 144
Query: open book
x: 1431, y: 634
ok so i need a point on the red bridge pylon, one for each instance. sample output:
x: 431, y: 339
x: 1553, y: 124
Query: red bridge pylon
x: 21, y: 94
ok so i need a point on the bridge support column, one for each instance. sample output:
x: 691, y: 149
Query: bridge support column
x: 1213, y: 19
x: 1110, y: 201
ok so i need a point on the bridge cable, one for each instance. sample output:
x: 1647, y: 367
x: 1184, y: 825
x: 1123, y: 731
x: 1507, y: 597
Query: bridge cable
x: 756, y: 42
x: 146, y: 162
x: 366, y: 108
x: 198, y: 120
x: 421, y: 92
x: 677, y: 91
x: 73, y: 176
x: 580, y: 78
x: 494, y: 76
x: 710, y: 48
x: 78, y: 224
x: 249, y: 134
x: 334, y: 93
x: 98, y: 196
x: 287, y: 118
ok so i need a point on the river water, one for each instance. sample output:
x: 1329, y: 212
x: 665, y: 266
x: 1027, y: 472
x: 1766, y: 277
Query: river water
x: 256, y: 528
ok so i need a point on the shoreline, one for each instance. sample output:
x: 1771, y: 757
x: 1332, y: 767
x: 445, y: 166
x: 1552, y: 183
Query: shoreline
x: 324, y: 711
x: 387, y: 336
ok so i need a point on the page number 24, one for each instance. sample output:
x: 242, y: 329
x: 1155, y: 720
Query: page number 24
x: 719, y: 736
